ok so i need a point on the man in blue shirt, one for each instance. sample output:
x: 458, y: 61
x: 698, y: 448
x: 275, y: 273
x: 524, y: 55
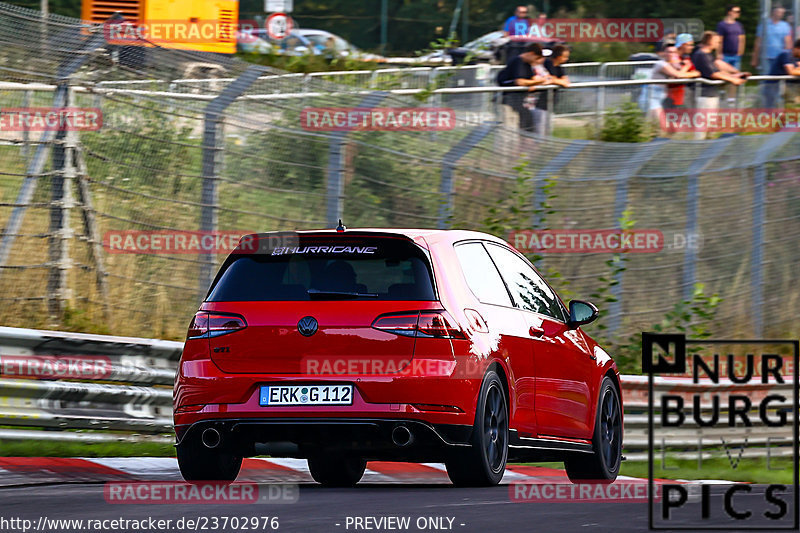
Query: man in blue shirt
x: 519, y: 24
x: 778, y: 39
x: 784, y: 64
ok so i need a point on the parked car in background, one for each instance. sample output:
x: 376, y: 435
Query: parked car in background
x: 301, y: 42
x: 493, y: 47
x: 481, y: 50
x: 256, y: 41
x: 331, y: 44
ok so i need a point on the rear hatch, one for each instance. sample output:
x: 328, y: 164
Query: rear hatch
x: 311, y: 308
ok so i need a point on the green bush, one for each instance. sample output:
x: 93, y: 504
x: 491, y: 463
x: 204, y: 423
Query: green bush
x: 625, y: 124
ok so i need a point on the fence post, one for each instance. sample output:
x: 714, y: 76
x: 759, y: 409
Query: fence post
x: 335, y: 187
x: 637, y: 160
x: 26, y: 136
x: 91, y: 230
x: 600, y: 103
x: 60, y: 232
x: 213, y: 141
x: 757, y: 253
x: 435, y: 100
x: 697, y: 167
x: 772, y: 144
x: 600, y: 97
x: 447, y: 185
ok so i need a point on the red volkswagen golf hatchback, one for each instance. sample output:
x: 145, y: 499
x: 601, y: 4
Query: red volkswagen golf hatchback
x: 342, y: 347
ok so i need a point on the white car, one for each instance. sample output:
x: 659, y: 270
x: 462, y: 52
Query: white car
x: 482, y: 49
x: 328, y: 43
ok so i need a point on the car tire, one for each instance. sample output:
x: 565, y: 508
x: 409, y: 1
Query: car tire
x: 603, y: 465
x: 198, y: 463
x: 336, y: 470
x: 483, y: 463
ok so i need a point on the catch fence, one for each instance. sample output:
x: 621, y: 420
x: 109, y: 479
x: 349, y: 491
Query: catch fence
x: 192, y: 142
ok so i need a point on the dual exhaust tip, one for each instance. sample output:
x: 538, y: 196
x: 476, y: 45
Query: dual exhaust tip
x: 211, y: 438
x: 401, y: 436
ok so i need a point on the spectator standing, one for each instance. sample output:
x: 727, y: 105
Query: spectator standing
x: 676, y: 94
x: 667, y: 40
x: 778, y: 38
x: 519, y: 24
x: 671, y: 66
x: 733, y: 40
x: 785, y: 64
x: 552, y: 65
x: 525, y: 70
x: 713, y: 69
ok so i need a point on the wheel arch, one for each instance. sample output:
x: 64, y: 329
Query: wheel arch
x: 612, y: 374
x: 503, y: 375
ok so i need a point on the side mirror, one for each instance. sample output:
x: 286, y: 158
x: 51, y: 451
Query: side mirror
x: 581, y: 312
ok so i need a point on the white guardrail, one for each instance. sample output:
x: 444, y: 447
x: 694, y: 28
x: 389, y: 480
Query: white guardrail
x: 126, y: 395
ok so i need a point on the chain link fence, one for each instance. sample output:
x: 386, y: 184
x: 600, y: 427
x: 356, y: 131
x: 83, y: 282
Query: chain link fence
x: 193, y: 142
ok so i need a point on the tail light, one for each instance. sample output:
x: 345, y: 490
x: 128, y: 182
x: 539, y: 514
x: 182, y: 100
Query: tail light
x: 205, y: 325
x: 435, y: 324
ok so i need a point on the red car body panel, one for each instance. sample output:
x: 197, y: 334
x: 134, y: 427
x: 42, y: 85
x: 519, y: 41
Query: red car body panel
x: 552, y: 372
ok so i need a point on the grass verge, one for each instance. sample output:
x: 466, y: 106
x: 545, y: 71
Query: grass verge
x: 752, y: 470
x: 37, y: 448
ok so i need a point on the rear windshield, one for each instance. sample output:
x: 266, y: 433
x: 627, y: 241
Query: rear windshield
x: 328, y: 268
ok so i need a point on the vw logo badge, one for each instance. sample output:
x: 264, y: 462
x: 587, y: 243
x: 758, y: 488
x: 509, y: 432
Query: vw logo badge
x: 307, y: 326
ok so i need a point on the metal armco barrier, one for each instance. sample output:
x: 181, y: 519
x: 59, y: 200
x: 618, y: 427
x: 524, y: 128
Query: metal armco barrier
x: 132, y: 398
x: 129, y: 399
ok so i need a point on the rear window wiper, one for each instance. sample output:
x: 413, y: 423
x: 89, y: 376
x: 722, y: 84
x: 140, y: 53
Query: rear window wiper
x: 318, y: 294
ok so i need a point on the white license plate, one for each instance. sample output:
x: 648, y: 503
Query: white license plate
x: 306, y: 395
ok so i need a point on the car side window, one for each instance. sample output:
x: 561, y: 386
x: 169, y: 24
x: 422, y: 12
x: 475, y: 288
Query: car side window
x: 481, y: 274
x: 529, y: 290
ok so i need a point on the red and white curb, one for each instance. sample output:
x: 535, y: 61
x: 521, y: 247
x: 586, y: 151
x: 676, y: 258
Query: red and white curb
x: 36, y: 470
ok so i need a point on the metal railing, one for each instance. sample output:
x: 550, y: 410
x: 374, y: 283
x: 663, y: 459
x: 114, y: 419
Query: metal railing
x: 475, y: 93
x: 133, y: 400
x: 130, y: 400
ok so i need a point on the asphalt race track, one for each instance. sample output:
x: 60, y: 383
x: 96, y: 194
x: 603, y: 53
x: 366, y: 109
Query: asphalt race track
x: 320, y: 510
x: 420, y: 494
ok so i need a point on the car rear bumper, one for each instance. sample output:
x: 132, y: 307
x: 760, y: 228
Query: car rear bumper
x: 203, y: 392
x: 371, y: 438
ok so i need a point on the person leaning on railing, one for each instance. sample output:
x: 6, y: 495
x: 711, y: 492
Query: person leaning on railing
x: 671, y: 66
x: 786, y: 63
x: 711, y: 68
x: 676, y: 94
x: 553, y: 66
x: 525, y: 70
